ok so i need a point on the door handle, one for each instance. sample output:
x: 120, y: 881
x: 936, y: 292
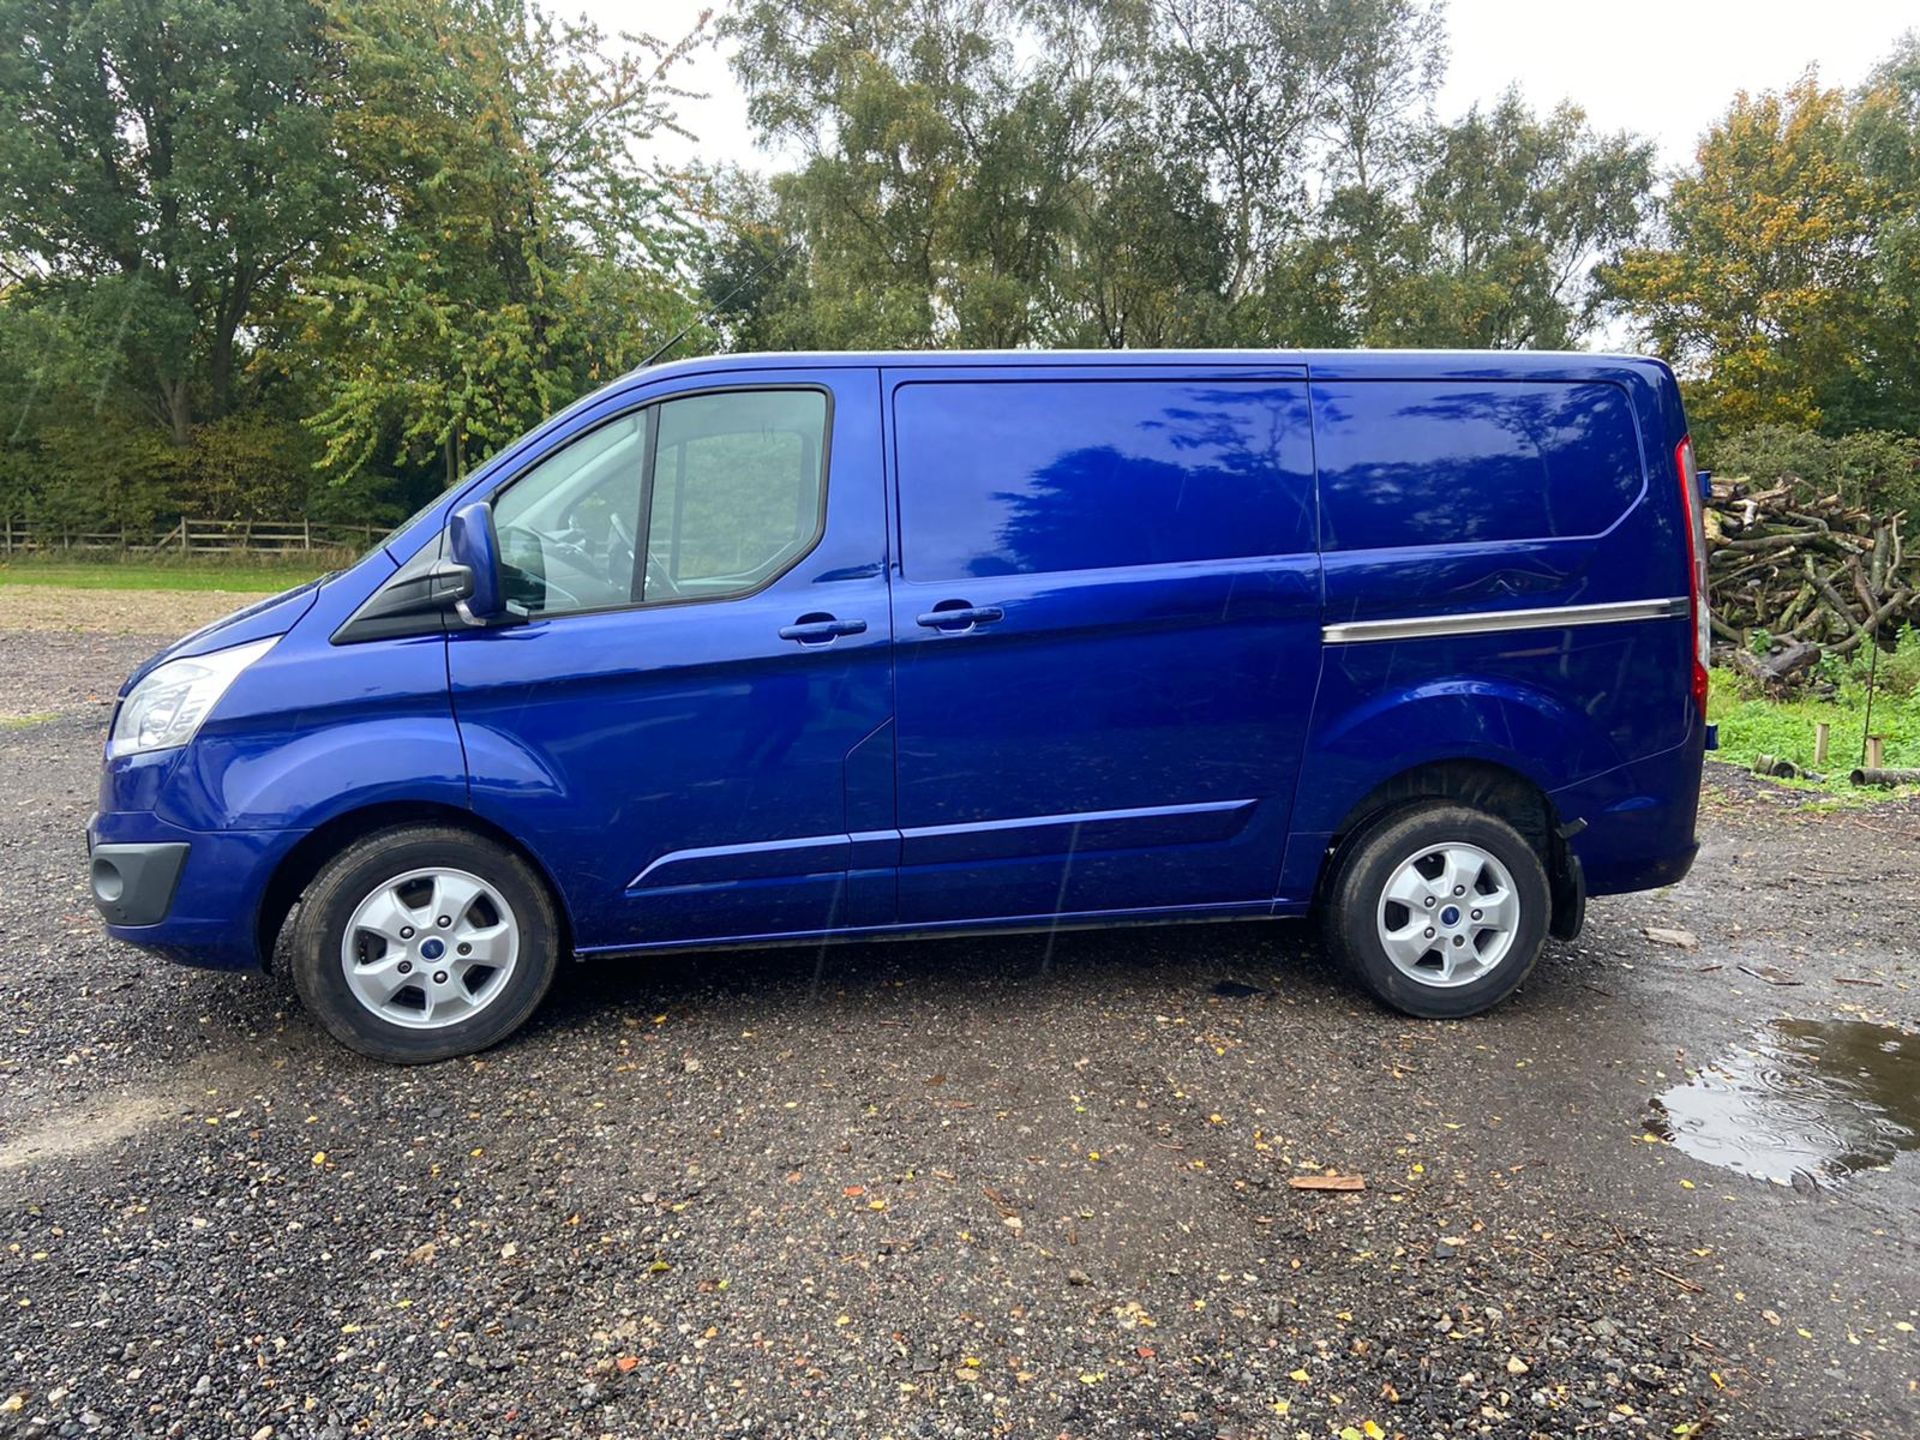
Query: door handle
x: 956, y: 617
x: 821, y: 629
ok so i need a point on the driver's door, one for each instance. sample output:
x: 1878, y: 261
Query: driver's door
x: 691, y: 730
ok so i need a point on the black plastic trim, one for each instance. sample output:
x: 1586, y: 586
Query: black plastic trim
x: 406, y: 602
x: 134, y: 884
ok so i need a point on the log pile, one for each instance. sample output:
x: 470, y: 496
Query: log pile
x: 1819, y: 576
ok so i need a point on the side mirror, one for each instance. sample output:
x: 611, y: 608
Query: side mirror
x: 473, y: 545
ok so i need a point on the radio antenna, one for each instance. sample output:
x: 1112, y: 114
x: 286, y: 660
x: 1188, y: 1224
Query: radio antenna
x: 720, y: 304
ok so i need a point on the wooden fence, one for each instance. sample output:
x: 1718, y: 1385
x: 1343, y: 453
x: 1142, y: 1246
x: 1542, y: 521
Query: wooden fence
x: 190, y: 537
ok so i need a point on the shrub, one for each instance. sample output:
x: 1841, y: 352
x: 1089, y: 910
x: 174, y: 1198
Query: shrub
x: 250, y: 466
x: 1873, y: 468
x: 1900, y: 671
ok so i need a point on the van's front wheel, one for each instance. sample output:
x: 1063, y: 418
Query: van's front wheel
x: 1440, y: 910
x: 423, y: 942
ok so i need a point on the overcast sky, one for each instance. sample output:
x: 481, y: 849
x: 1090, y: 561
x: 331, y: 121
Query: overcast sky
x: 1664, y: 69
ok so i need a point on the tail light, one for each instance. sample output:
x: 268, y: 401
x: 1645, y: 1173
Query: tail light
x: 1696, y: 512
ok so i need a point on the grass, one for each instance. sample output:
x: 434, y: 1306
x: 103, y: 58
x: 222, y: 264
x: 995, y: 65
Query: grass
x: 1752, y: 725
x: 144, y: 574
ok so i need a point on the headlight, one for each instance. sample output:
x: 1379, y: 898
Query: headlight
x: 166, y: 708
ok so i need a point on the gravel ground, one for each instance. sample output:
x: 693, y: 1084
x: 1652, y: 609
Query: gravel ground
x: 146, y: 613
x: 974, y: 1188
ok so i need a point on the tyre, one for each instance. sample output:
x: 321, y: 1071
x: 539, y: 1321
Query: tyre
x: 1440, y: 910
x: 423, y: 942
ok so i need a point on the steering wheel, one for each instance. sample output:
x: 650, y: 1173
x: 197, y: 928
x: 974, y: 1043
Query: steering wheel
x: 659, y: 580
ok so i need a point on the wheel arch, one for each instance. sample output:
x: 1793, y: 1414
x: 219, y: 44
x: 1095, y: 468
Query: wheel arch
x: 1486, y: 785
x: 297, y: 869
x: 1483, y: 784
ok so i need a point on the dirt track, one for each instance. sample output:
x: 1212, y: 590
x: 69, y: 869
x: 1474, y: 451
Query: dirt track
x: 1012, y: 1186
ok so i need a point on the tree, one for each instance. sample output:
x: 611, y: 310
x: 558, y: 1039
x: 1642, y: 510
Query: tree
x: 753, y: 277
x: 1761, y: 286
x: 1237, y: 89
x: 1147, y: 262
x: 948, y: 149
x: 1886, y: 141
x: 1512, y: 214
x: 1384, y: 63
x: 520, y: 251
x: 164, y: 170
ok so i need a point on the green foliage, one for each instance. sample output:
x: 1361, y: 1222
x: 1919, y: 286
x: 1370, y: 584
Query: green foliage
x: 252, y: 466
x: 270, y: 257
x: 1166, y: 172
x: 88, y: 470
x: 249, y: 238
x: 1869, y: 468
x: 528, y: 255
x: 1785, y: 279
x: 165, y: 171
x: 1899, y: 671
x: 1752, y: 725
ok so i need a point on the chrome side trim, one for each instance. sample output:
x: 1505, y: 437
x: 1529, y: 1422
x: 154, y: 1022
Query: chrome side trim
x: 1487, y: 622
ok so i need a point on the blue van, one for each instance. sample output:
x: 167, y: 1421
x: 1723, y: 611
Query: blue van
x: 766, y: 648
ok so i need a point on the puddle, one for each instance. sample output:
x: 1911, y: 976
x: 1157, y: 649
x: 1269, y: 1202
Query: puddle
x: 1802, y: 1101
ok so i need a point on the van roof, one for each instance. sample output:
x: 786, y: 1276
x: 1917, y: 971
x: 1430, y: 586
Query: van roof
x: 1325, y: 364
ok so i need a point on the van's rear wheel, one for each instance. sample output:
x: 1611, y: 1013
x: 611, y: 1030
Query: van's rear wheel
x: 1440, y: 910
x: 423, y: 942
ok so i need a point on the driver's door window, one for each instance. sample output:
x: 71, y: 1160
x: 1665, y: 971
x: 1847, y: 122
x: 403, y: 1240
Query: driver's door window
x: 738, y: 483
x: 734, y: 495
x: 568, y: 526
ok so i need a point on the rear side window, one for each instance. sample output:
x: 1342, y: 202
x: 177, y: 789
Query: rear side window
x: 1434, y: 463
x: 1018, y: 477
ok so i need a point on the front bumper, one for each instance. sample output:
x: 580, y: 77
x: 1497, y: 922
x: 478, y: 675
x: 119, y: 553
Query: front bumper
x: 192, y: 896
